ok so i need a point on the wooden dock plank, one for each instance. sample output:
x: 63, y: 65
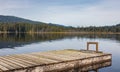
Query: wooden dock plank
x: 44, y: 60
x: 21, y: 63
x: 10, y: 62
x: 13, y: 58
x: 48, y: 57
x: 3, y: 68
x: 65, y: 55
x: 30, y: 59
x: 76, y: 55
x: 5, y: 65
x: 52, y: 56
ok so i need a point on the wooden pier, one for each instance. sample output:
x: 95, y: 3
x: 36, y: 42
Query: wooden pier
x: 52, y: 60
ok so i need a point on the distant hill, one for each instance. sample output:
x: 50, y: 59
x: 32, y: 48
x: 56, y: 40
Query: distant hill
x: 13, y: 19
x: 118, y: 25
x: 12, y: 24
x: 17, y: 24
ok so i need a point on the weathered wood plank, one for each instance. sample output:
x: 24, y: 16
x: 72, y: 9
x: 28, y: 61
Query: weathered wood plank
x: 76, y: 54
x: 10, y: 62
x: 44, y: 60
x: 14, y: 58
x: 30, y: 59
x: 47, y: 57
x: 54, y: 57
x: 3, y: 68
x: 21, y: 63
x: 6, y: 65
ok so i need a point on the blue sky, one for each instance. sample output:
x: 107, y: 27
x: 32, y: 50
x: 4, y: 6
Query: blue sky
x: 65, y: 12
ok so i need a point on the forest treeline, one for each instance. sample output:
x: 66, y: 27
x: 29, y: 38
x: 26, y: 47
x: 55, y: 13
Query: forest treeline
x: 23, y: 27
x: 13, y: 24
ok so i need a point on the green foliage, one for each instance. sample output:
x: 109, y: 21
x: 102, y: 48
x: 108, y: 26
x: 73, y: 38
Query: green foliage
x: 11, y: 24
x: 21, y: 27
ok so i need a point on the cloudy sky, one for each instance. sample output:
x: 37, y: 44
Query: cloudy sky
x: 65, y: 12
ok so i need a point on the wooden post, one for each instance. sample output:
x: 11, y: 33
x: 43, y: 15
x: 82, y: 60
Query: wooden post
x: 96, y: 43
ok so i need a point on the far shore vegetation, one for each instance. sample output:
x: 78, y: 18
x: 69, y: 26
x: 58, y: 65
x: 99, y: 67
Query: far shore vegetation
x: 21, y: 27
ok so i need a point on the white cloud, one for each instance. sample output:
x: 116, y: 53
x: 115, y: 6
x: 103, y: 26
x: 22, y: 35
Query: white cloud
x: 13, y: 4
x: 106, y: 12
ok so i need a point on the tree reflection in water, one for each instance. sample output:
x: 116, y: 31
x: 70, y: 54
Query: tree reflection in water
x: 12, y: 40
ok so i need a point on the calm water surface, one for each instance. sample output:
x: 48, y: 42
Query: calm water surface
x: 24, y: 43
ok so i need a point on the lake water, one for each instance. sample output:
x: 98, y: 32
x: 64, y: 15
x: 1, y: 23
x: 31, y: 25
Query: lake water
x: 25, y: 43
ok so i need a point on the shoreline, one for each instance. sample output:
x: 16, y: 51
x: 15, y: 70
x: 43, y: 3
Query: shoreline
x: 60, y: 32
